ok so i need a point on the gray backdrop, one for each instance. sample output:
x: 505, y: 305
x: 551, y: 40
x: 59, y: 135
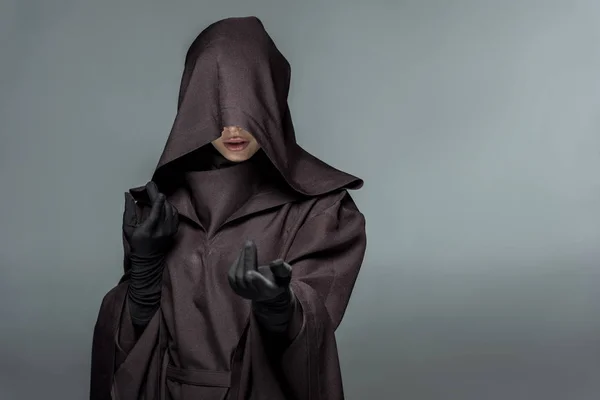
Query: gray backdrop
x: 475, y: 124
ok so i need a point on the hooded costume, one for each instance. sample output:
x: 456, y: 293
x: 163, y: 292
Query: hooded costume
x: 204, y: 342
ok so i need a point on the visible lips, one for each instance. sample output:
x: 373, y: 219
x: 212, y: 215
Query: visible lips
x: 235, y: 140
x: 235, y: 144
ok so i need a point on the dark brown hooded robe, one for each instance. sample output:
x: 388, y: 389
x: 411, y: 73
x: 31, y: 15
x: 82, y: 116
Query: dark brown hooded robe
x: 204, y: 342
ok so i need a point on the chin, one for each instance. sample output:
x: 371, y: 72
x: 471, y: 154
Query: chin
x: 236, y: 157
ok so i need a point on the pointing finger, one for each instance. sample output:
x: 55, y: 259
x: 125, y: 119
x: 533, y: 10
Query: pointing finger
x: 152, y: 191
x: 250, y: 256
x: 155, y: 213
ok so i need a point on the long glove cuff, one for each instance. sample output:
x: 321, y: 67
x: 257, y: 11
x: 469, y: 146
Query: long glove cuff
x: 145, y: 287
x: 146, y: 272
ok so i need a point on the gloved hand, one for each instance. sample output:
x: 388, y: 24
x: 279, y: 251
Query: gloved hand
x: 153, y: 236
x: 149, y: 240
x: 267, y: 286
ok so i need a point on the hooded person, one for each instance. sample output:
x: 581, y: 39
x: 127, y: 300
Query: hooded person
x: 240, y: 254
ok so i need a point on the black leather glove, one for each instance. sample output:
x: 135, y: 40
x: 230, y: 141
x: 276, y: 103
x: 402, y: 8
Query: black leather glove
x: 149, y: 240
x: 267, y: 286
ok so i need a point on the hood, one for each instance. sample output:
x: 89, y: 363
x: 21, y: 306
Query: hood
x: 235, y: 75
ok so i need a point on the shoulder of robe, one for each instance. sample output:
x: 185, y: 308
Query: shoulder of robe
x: 331, y: 203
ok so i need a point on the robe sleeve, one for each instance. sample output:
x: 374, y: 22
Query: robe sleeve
x: 122, y: 365
x: 326, y: 255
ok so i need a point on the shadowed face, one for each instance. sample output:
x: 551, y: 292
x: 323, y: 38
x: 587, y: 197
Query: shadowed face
x: 236, y: 144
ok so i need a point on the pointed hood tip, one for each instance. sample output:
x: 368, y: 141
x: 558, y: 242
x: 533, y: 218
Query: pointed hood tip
x: 244, y: 80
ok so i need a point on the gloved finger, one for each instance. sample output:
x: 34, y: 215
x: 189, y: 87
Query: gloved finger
x: 152, y: 191
x: 129, y: 214
x: 281, y: 269
x: 155, y: 214
x: 231, y: 274
x: 167, y: 216
x: 170, y: 209
x: 250, y: 284
x: 250, y: 256
x: 174, y: 221
x: 241, y: 269
x: 261, y: 284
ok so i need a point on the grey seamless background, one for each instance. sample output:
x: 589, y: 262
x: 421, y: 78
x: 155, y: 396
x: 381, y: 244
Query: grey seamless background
x: 475, y: 124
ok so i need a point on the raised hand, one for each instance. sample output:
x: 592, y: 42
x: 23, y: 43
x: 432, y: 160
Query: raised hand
x: 152, y: 236
x: 150, y: 240
x: 262, y: 284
